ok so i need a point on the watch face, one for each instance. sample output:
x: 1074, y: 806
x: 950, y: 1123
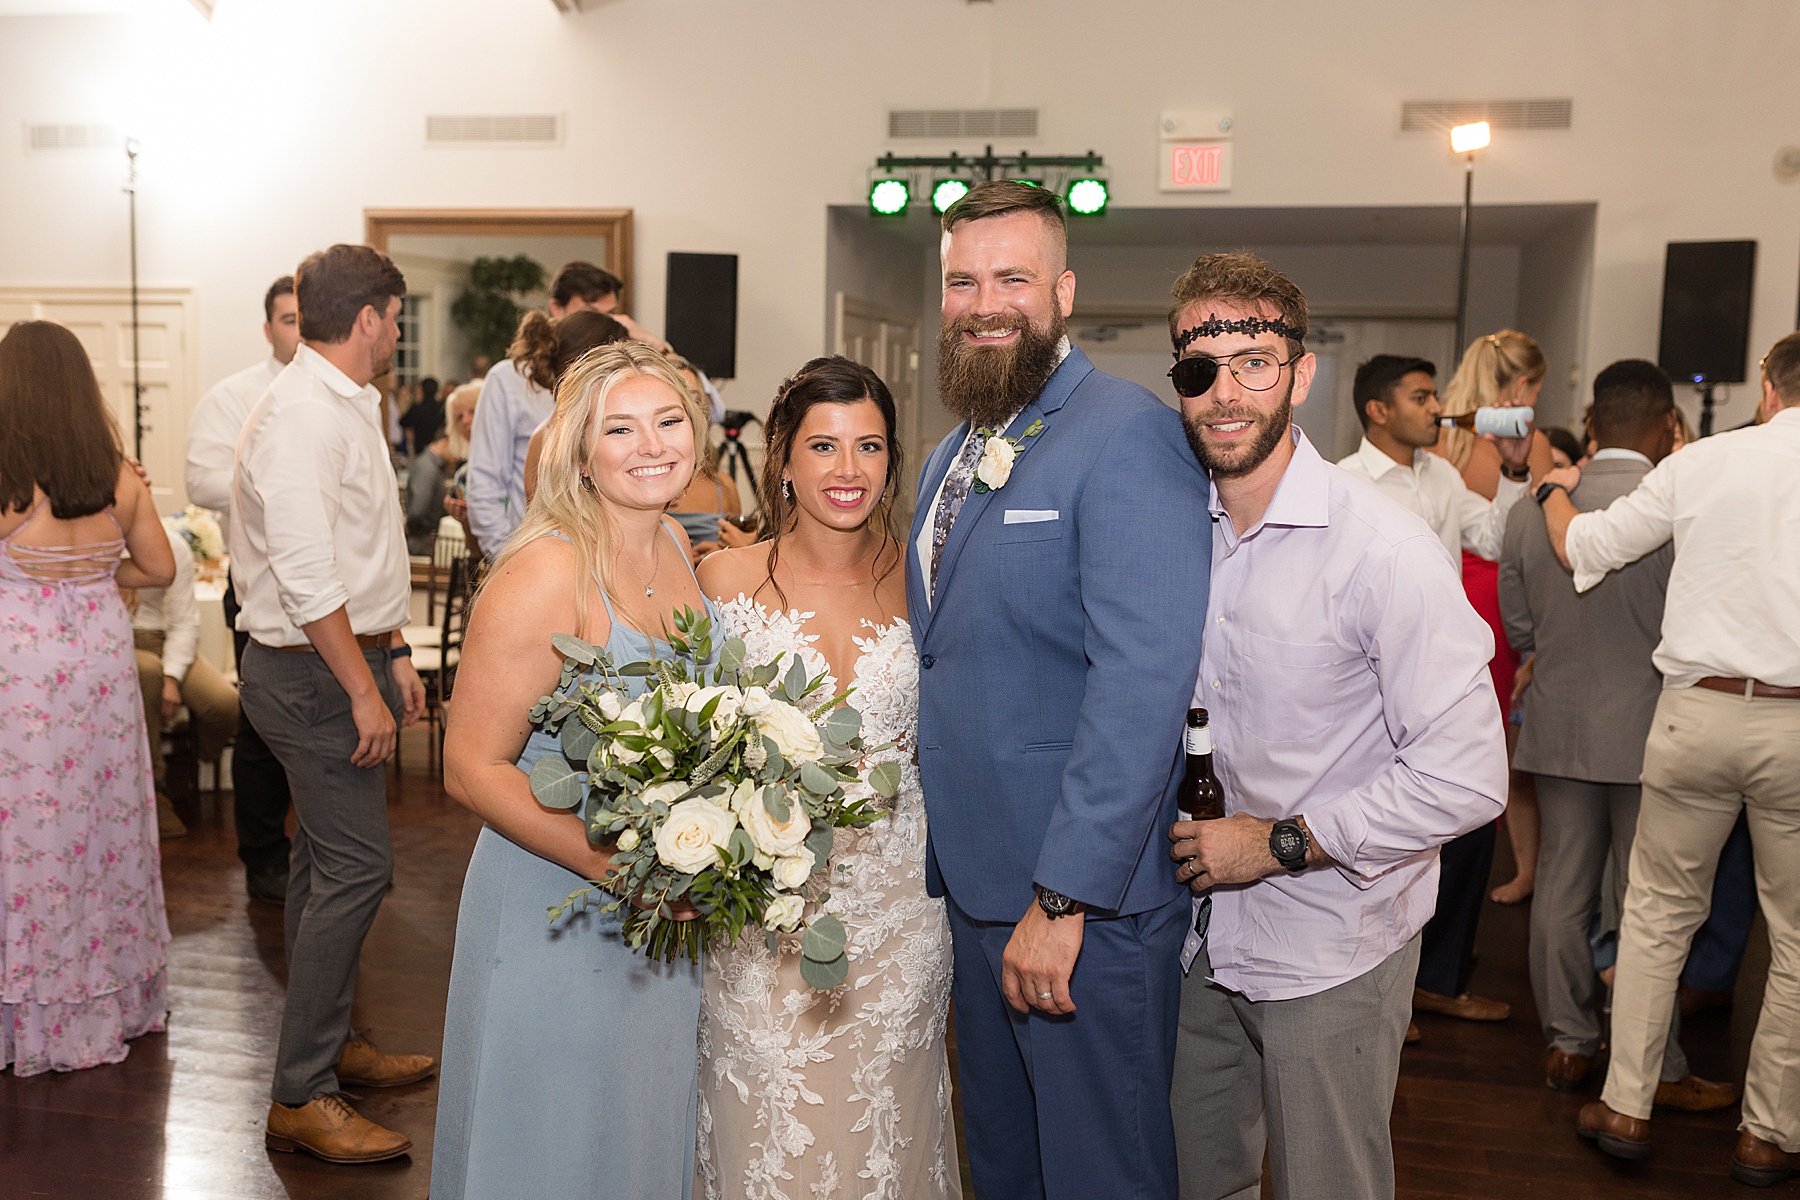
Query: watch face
x: 1289, y: 843
x: 1054, y: 903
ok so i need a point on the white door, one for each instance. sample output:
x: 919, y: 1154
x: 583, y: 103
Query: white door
x: 888, y: 344
x: 167, y: 370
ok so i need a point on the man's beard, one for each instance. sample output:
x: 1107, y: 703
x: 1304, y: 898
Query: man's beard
x: 1243, y: 457
x: 986, y: 385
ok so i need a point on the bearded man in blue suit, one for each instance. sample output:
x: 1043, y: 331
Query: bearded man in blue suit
x: 1057, y: 582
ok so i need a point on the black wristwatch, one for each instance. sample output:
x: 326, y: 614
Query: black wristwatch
x: 1288, y: 843
x: 1516, y: 474
x: 1055, y: 904
x: 1544, y: 490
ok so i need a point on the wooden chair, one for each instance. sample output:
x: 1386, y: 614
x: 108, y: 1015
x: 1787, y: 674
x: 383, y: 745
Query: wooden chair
x: 437, y: 663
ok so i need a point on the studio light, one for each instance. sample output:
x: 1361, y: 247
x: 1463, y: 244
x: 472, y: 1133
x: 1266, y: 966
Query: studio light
x: 1466, y: 139
x: 1087, y: 197
x: 946, y: 192
x: 889, y: 197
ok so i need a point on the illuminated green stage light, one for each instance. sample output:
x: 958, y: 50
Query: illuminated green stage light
x: 946, y: 192
x: 1087, y: 197
x: 889, y: 197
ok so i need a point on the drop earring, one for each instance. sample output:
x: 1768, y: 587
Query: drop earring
x: 787, y: 490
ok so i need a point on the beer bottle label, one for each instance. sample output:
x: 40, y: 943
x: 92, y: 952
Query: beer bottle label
x: 1199, y: 741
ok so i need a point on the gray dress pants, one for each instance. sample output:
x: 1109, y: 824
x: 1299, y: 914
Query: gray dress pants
x: 1582, y: 822
x: 1312, y: 1079
x: 341, y: 860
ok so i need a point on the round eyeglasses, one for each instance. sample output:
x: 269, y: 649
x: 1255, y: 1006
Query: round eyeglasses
x: 1257, y: 370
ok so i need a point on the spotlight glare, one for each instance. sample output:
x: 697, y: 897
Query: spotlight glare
x: 946, y: 192
x: 889, y: 197
x: 1087, y: 197
x: 1466, y: 139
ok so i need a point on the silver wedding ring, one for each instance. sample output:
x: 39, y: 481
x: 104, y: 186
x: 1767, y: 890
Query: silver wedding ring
x: 1046, y: 995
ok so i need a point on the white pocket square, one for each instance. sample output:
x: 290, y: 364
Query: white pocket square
x: 1031, y: 516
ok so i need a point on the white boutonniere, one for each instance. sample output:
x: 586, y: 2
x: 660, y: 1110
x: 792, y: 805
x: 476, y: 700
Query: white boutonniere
x: 998, y: 454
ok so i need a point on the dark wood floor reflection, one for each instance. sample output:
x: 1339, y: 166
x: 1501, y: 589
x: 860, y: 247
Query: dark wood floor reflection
x: 182, y: 1116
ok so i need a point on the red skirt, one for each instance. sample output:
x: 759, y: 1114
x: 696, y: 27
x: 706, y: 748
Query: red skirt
x: 1481, y: 581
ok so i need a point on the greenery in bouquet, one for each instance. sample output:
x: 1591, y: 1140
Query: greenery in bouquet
x: 720, y: 787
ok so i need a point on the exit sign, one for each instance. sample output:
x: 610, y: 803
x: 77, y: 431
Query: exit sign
x: 1196, y: 151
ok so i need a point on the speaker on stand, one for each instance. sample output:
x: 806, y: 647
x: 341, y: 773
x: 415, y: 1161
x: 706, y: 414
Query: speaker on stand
x: 1705, y: 335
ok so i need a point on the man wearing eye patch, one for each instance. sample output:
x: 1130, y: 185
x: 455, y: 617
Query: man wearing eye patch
x: 1355, y: 731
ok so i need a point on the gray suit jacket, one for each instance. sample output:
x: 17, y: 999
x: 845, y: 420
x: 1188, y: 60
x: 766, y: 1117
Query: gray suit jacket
x: 1593, y: 689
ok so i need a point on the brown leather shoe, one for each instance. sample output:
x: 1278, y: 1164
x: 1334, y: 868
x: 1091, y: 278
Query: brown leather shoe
x: 1413, y: 1036
x: 1465, y: 1006
x: 362, y: 1065
x: 330, y: 1129
x: 1759, y: 1163
x: 1565, y: 1072
x: 1694, y: 1094
x: 1615, y: 1133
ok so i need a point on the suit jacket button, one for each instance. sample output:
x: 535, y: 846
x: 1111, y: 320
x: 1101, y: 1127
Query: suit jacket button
x: 926, y: 661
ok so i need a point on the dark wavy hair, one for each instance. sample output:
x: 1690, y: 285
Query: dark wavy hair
x: 832, y: 379
x: 544, y: 349
x: 55, y: 429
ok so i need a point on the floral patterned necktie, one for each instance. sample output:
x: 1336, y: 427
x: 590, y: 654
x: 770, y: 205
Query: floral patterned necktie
x: 950, y: 501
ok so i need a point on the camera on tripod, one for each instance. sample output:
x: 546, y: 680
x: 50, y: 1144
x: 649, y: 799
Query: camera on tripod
x: 734, y: 421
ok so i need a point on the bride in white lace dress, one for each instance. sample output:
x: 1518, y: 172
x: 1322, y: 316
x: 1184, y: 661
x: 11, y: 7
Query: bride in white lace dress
x: 808, y: 1095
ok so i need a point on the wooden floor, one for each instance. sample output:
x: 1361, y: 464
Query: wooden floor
x: 182, y: 1116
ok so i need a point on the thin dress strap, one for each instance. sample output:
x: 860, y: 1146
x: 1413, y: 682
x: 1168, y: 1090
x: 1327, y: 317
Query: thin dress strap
x: 88, y: 563
x: 670, y: 530
x: 598, y: 586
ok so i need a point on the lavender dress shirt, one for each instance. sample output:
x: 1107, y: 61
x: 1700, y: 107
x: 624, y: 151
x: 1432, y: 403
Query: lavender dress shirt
x: 1346, y: 678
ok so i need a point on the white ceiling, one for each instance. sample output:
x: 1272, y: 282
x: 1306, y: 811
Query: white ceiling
x: 80, y: 8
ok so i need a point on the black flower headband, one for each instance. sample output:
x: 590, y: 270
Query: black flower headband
x: 1213, y: 326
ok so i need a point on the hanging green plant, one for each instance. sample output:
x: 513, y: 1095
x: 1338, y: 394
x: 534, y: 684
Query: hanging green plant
x: 489, y: 308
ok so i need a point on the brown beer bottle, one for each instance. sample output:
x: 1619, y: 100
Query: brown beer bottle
x: 1201, y: 798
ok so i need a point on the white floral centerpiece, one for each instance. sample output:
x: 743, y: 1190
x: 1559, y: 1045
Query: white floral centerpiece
x: 714, y: 787
x: 200, y: 529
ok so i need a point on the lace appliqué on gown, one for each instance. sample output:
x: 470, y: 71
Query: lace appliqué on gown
x: 820, y: 1096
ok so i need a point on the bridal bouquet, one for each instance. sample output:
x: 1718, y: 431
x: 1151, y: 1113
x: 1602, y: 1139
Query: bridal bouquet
x: 718, y: 787
x: 200, y: 529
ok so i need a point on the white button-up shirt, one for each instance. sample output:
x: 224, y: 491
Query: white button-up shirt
x: 1435, y: 490
x: 1732, y: 504
x: 509, y: 411
x: 1346, y: 679
x: 173, y: 611
x: 213, y: 432
x: 316, y: 520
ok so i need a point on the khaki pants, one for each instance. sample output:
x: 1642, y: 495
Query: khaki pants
x: 1710, y: 755
x: 210, y: 699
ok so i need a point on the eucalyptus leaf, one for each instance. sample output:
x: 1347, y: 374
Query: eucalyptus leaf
x: 843, y: 724
x: 823, y: 976
x: 570, y: 646
x: 769, y: 940
x: 740, y: 847
x: 638, y: 670
x: 825, y: 939
x: 885, y: 779
x: 794, y: 686
x: 555, y: 783
x: 731, y: 654
x: 578, y: 742
x: 815, y: 778
x: 775, y: 803
x: 820, y: 841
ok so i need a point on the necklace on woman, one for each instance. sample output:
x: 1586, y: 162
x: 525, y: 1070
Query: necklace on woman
x: 655, y: 566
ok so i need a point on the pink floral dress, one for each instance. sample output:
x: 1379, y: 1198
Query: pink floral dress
x: 82, y: 928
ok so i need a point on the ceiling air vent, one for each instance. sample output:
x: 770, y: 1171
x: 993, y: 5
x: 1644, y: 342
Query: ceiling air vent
x: 1435, y: 116
x: 948, y: 124
x: 41, y: 138
x: 529, y: 130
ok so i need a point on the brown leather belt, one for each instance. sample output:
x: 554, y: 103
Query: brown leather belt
x: 1749, y: 687
x: 368, y: 641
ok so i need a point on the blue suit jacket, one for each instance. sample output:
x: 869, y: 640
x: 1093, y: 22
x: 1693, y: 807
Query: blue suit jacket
x: 1058, y: 662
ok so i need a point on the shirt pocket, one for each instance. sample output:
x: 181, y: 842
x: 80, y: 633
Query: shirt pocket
x: 1289, y: 691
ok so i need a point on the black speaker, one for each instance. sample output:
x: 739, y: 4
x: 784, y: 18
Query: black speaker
x: 700, y: 311
x: 1706, y: 311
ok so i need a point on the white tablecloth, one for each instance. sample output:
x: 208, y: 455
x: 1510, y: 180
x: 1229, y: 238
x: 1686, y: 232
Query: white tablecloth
x: 215, y: 635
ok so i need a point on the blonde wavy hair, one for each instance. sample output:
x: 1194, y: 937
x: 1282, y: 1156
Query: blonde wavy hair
x: 1489, y: 366
x: 463, y: 397
x: 566, y: 501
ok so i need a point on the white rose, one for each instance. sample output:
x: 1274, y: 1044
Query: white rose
x: 778, y: 838
x: 609, y: 706
x: 725, y: 715
x: 795, y: 736
x: 791, y: 872
x: 756, y: 702
x: 784, y: 913
x: 664, y: 756
x: 628, y: 840
x: 668, y: 792
x: 633, y: 712
x: 996, y: 463
x: 676, y: 694
x: 690, y: 839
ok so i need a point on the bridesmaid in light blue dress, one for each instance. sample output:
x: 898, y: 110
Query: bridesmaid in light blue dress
x: 568, y: 1060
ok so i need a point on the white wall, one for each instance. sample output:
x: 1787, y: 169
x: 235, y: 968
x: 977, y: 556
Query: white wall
x: 730, y: 126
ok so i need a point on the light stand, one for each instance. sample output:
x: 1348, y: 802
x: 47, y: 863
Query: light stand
x: 1466, y: 140
x: 1706, y: 409
x: 137, y: 383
